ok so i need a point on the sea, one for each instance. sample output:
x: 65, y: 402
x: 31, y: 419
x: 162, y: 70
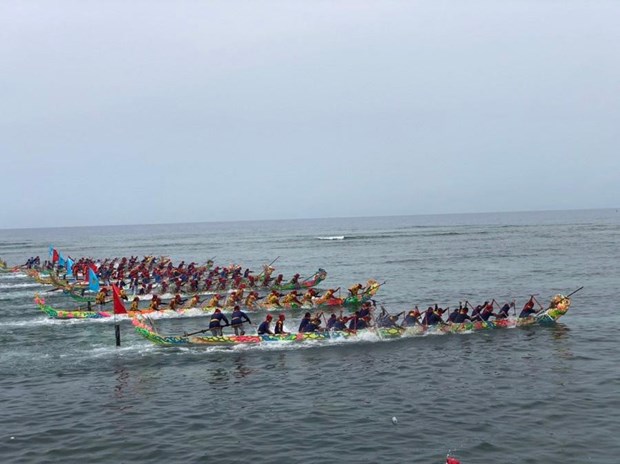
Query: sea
x: 544, y: 394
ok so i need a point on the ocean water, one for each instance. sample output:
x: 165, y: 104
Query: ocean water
x: 532, y: 395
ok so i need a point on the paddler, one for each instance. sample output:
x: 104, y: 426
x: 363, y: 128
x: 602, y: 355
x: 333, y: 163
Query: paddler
x: 505, y: 310
x: 215, y: 324
x: 290, y: 299
x: 294, y: 280
x: 263, y: 328
x: 134, y: 304
x: 329, y: 294
x: 365, y: 309
x: 487, y: 311
x: 234, y: 298
x: 100, y: 298
x: 237, y: 319
x: 193, y: 303
x: 528, y: 309
x: 462, y: 316
x: 214, y: 302
x: 314, y: 324
x: 279, y: 328
x: 304, y: 321
x: 307, y: 299
x: 250, y: 300
x: 278, y: 281
x: 273, y: 299
x: 331, y: 322
x: 154, y: 306
x: 412, y: 318
x: 354, y: 290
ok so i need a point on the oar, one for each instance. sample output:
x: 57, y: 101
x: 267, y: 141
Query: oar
x: 572, y: 293
x: 204, y: 330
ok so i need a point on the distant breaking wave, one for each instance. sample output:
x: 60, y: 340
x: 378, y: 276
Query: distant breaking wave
x: 335, y: 237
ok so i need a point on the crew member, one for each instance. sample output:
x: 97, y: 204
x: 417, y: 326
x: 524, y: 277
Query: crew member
x: 236, y: 320
x: 263, y: 328
x: 215, y: 324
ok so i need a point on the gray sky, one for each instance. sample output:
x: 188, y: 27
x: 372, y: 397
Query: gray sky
x: 118, y: 112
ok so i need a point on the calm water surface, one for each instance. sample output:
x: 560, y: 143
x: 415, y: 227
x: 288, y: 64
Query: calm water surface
x: 537, y: 395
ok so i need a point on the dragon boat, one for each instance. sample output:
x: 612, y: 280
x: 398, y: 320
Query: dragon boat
x: 557, y: 308
x: 82, y: 313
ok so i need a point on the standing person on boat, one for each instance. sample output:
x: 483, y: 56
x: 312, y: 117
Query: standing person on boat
x: 215, y: 324
x: 279, y: 328
x: 263, y: 328
x: 412, y: 318
x: 528, y: 308
x: 304, y: 321
x: 237, y: 319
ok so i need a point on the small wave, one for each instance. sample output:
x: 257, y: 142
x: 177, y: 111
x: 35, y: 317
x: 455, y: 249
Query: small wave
x: 334, y: 237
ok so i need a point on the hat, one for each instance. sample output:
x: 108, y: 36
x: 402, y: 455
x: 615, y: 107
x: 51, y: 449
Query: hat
x: 281, y: 317
x: 218, y: 310
x: 269, y: 317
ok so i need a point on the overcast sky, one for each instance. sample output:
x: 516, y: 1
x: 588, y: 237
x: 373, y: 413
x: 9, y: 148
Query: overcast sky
x: 125, y: 112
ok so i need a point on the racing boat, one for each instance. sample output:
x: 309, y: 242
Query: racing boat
x: 145, y: 327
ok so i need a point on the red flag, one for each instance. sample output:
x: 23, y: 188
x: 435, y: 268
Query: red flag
x: 55, y: 256
x: 119, y: 307
x: 450, y: 460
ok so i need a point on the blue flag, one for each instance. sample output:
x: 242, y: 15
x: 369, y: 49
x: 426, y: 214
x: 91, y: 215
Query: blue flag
x: 61, y: 260
x: 51, y: 251
x: 93, y: 281
x: 70, y: 263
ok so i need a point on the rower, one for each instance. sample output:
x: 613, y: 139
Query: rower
x: 314, y: 324
x: 453, y: 314
x: 504, y: 311
x: 291, y: 299
x: 307, y: 299
x: 331, y: 322
x: 263, y: 328
x: 487, y: 311
x: 412, y: 318
x: 100, y: 298
x: 193, y: 303
x: 273, y: 299
x: 307, y: 317
x: 434, y: 318
x: 295, y: 280
x: 236, y: 320
x: 215, y: 324
x: 154, y: 306
x: 250, y: 300
x: 528, y: 308
x: 279, y: 328
x: 354, y: 290
x: 214, y: 302
x: 462, y: 316
x: 134, y: 304
x: 278, y: 281
x: 365, y: 309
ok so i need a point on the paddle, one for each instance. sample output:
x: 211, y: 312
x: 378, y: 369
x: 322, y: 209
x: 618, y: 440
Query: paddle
x: 203, y: 330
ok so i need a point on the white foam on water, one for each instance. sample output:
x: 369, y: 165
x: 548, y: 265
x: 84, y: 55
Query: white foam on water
x: 23, y: 285
x: 334, y: 237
